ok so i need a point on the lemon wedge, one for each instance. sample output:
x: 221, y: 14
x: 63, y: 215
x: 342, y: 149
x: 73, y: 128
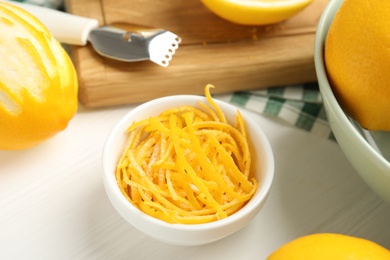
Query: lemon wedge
x: 256, y: 12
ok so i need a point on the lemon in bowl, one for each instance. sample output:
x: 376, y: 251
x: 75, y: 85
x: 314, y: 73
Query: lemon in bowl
x: 192, y: 205
x: 367, y: 150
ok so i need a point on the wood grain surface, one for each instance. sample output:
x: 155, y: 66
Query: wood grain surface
x: 230, y: 56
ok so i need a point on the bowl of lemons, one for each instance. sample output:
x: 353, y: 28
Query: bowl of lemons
x: 352, y: 61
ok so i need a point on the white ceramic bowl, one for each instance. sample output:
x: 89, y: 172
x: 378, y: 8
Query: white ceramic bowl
x: 183, y: 234
x: 368, y: 152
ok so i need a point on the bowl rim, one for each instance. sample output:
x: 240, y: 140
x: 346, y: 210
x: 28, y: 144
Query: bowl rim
x: 325, y: 89
x: 260, y: 194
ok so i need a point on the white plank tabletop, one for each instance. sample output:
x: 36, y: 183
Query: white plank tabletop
x: 53, y: 204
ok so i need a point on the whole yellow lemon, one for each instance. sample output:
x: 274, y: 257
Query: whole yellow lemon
x: 326, y: 246
x: 38, y: 82
x: 357, y: 59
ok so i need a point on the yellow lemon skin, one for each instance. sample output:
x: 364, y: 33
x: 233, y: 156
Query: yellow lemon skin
x: 357, y: 60
x: 326, y: 246
x: 256, y: 12
x: 38, y: 82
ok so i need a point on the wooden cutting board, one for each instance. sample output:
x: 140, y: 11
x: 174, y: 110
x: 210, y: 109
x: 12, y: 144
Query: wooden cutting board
x: 230, y: 56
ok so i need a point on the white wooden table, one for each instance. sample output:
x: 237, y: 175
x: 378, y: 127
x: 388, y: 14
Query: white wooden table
x: 53, y: 204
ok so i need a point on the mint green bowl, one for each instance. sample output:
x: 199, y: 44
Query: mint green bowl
x: 367, y: 151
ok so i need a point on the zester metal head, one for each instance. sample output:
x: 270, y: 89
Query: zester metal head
x: 156, y: 45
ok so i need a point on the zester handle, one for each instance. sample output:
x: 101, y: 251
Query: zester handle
x: 66, y: 28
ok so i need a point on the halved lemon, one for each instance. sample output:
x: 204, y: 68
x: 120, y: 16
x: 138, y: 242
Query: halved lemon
x: 256, y: 12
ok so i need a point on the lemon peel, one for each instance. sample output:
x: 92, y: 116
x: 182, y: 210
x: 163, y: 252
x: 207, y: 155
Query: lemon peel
x: 187, y: 165
x: 256, y: 12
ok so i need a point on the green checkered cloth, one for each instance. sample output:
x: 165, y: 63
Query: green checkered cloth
x: 298, y: 105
